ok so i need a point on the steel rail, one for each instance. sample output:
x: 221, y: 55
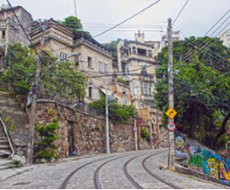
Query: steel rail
x: 157, y: 176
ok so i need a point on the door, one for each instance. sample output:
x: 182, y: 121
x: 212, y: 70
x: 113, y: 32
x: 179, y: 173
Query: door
x: 70, y: 139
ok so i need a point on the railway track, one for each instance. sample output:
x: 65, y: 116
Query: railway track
x: 128, y: 176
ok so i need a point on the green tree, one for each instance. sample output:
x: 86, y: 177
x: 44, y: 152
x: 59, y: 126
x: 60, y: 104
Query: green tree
x: 200, y: 88
x: 117, y: 113
x: 74, y: 23
x: 61, y: 78
x: 112, y: 47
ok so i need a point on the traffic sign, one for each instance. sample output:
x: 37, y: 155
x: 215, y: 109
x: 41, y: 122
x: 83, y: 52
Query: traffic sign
x: 171, y: 113
x: 171, y: 126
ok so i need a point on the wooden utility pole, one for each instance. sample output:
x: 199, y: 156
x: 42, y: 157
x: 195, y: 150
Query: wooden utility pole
x: 171, y: 158
x: 33, y: 109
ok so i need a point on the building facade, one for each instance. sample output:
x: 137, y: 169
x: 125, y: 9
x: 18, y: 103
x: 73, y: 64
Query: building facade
x: 94, y: 60
x: 225, y: 37
x: 136, y: 61
x: 11, y: 31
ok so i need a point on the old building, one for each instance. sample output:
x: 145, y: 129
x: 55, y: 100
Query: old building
x: 225, y: 37
x: 164, y: 40
x: 138, y: 66
x: 11, y: 31
x: 93, y: 60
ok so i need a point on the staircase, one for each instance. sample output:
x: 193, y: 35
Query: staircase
x: 5, y: 151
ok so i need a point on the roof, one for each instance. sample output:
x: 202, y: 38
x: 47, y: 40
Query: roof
x: 82, y: 34
x: 16, y: 7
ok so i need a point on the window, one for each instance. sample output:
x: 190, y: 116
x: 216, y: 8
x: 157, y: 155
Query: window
x: 106, y: 68
x: 90, y: 90
x: 3, y: 34
x: 150, y: 53
x: 141, y: 51
x: 150, y: 90
x: 76, y: 60
x: 63, y: 56
x: 134, y: 50
x: 100, y: 66
x: 89, y: 61
x: 124, y: 99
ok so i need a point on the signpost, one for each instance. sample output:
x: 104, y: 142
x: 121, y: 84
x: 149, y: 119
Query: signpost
x: 171, y: 126
x: 171, y: 113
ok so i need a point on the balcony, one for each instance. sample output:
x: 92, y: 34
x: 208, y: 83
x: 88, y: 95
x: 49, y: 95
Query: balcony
x: 145, y: 97
x: 139, y: 57
x: 146, y: 78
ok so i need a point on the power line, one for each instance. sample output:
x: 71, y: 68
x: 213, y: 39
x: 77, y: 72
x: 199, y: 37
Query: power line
x: 180, y: 12
x: 127, y: 19
x: 217, y: 22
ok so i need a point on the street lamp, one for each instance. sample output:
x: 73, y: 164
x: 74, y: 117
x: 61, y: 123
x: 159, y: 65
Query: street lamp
x: 33, y: 104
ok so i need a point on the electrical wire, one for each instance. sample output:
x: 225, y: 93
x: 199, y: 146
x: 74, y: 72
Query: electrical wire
x: 180, y: 12
x: 127, y: 19
x: 217, y: 22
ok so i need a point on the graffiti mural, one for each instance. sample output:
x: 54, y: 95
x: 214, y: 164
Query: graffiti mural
x: 179, y: 142
x: 196, y: 160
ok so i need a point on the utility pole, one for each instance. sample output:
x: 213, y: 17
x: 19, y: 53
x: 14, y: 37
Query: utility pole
x: 171, y: 157
x: 35, y: 91
x: 107, y: 117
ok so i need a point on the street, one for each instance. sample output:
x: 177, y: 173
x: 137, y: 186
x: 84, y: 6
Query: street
x: 113, y: 171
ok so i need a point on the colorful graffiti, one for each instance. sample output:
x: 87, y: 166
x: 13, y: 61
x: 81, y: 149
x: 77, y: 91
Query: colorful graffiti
x: 179, y: 142
x: 196, y: 160
x: 200, y: 158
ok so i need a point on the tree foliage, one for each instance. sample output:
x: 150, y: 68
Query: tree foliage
x: 74, y: 23
x: 112, y: 47
x: 117, y: 113
x: 201, y: 87
x: 60, y: 78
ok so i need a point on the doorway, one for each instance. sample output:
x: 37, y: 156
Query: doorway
x: 70, y: 139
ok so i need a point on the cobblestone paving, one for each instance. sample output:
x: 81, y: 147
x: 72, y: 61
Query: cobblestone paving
x: 50, y: 176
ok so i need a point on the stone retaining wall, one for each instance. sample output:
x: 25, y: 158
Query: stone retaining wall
x: 88, y: 131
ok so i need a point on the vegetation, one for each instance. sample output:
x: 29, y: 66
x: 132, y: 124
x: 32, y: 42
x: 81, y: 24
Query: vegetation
x: 145, y: 134
x: 117, y: 113
x: 61, y: 78
x: 74, y: 23
x: 201, y: 88
x: 112, y: 47
x: 46, y: 148
x: 121, y: 80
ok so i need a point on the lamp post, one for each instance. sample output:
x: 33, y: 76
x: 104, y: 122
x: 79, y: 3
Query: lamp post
x: 34, y: 94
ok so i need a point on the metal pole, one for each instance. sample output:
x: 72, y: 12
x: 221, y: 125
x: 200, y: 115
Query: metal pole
x: 135, y: 134
x: 35, y: 90
x: 171, y: 158
x: 107, y: 117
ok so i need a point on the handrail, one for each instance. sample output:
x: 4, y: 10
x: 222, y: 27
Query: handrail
x: 8, y: 137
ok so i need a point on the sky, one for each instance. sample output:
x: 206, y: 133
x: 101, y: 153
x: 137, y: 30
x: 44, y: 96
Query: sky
x: 96, y: 16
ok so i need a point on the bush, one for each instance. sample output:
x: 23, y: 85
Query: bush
x: 46, y: 148
x: 48, y: 155
x: 144, y: 133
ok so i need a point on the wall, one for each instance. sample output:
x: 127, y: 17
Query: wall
x: 197, y: 156
x: 88, y: 131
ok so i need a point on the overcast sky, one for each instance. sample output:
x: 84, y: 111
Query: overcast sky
x: 98, y: 15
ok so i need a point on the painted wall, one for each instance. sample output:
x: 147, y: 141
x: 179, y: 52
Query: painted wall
x: 201, y: 158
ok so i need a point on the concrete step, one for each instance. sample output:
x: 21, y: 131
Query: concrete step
x: 6, y: 164
x: 5, y: 153
x: 4, y: 146
x: 4, y: 142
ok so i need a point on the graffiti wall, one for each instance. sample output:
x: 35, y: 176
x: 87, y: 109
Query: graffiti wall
x: 201, y: 158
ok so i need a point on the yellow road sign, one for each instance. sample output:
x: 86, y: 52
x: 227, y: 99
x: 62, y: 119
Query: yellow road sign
x: 171, y: 113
